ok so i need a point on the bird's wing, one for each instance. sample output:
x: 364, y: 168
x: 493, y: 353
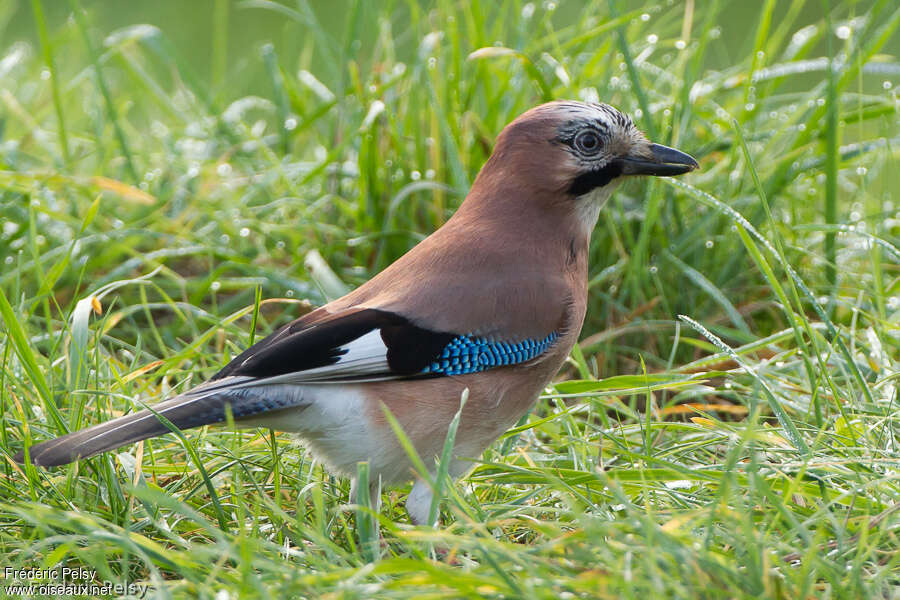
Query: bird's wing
x: 353, y: 345
x: 369, y: 343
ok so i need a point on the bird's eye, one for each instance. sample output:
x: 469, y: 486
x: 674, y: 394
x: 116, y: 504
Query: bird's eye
x: 587, y: 142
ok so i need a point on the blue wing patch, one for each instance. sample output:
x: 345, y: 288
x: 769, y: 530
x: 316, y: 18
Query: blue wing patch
x: 469, y: 354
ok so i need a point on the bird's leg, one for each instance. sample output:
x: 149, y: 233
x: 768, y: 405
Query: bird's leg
x: 418, y: 504
x: 374, y: 496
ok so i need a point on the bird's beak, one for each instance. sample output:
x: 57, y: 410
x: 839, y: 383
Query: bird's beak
x: 662, y: 161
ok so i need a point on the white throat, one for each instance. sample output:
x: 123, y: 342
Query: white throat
x: 588, y: 206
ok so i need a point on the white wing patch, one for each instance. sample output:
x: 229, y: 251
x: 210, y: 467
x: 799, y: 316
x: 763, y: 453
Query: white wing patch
x: 364, y: 356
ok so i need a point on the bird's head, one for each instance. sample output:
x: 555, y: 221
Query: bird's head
x: 575, y: 154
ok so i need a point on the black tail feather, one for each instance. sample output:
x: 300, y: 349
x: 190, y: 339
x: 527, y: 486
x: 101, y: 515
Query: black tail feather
x: 204, y: 405
x: 184, y: 412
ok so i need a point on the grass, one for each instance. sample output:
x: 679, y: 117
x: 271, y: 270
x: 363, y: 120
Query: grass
x: 727, y: 427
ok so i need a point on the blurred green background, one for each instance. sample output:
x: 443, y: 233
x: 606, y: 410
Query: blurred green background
x: 172, y: 160
x: 294, y: 28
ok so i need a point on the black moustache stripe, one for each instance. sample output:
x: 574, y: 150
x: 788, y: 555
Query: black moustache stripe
x: 593, y: 179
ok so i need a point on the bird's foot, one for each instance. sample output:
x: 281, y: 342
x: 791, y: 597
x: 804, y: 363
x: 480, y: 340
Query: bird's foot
x: 418, y: 504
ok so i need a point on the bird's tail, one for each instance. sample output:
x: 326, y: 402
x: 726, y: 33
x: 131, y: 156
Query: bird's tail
x: 201, y: 406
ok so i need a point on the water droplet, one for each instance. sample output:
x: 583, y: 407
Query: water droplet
x: 680, y: 45
x: 749, y: 106
x: 429, y: 174
x: 289, y: 293
x: 653, y: 269
x: 290, y: 123
x: 861, y: 170
x: 527, y: 10
x: 432, y: 62
x: 760, y: 55
x: 158, y: 129
x: 279, y: 244
x: 224, y: 238
x: 645, y: 17
x: 244, y: 232
x: 886, y: 85
x: 45, y: 74
x: 224, y: 170
x: 8, y: 260
x: 613, y: 289
x: 709, y: 244
x: 652, y: 38
x: 843, y: 32
x: 415, y: 175
x: 214, y: 286
x: 820, y: 101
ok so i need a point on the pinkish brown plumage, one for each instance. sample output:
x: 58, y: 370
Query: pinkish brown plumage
x: 492, y: 303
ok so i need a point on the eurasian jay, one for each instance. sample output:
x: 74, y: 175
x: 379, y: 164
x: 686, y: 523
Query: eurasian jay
x: 492, y: 302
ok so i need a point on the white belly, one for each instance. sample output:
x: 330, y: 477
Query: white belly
x: 332, y: 423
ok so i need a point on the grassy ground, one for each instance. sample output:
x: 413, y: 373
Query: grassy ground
x: 727, y: 427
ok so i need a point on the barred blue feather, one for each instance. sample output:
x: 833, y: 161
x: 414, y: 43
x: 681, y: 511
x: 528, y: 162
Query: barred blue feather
x: 469, y: 354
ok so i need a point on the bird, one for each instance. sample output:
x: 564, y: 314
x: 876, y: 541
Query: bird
x: 488, y: 305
